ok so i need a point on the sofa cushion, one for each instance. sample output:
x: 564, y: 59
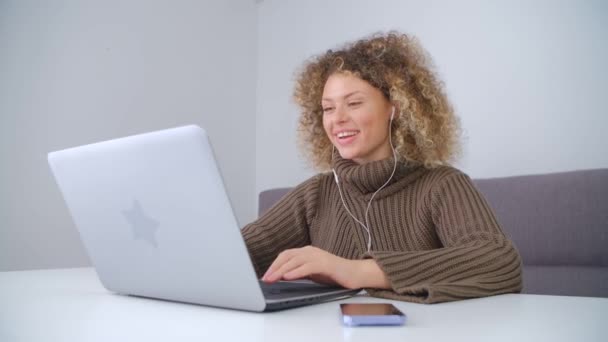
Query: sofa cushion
x: 566, y: 280
x: 554, y: 219
x: 268, y: 198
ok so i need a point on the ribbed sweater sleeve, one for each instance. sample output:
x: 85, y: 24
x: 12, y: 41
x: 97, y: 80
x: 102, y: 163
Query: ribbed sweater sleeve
x: 285, y: 225
x: 476, y: 259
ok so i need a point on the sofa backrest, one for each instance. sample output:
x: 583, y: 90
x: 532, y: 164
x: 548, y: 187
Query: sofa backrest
x: 553, y: 219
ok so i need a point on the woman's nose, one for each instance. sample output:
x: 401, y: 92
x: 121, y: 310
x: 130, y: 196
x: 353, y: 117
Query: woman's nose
x: 341, y: 114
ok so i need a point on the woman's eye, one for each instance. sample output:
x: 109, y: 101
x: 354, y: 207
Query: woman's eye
x: 327, y: 109
x: 354, y: 104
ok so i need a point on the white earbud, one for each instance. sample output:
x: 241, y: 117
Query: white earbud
x: 393, y: 113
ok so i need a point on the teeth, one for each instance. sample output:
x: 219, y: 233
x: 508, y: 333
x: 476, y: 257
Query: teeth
x: 346, y: 134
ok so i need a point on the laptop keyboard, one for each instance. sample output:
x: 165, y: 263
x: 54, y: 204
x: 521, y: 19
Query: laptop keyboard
x: 284, y: 289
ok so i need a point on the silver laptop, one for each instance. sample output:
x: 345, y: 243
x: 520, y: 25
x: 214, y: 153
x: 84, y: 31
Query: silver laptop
x: 155, y: 219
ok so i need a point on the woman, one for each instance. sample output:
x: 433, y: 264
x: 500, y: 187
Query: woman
x: 390, y: 216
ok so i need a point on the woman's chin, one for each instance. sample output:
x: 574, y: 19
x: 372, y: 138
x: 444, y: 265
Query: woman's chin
x: 347, y: 154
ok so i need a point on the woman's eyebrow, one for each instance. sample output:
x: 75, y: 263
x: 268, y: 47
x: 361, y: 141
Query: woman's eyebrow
x: 345, y: 96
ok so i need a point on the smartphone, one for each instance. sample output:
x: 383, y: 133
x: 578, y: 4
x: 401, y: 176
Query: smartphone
x: 355, y: 314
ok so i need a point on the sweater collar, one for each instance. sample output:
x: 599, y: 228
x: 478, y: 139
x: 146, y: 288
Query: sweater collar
x: 368, y: 178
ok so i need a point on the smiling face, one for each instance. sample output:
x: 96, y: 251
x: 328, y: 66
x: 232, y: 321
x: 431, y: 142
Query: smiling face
x: 356, y: 118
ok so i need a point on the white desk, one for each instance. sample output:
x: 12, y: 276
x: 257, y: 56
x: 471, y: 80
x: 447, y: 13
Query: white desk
x: 71, y: 305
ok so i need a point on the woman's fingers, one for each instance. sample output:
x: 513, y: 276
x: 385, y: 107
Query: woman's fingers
x: 291, y: 259
x: 282, y: 258
x: 309, y: 262
x: 302, y: 271
x: 287, y: 266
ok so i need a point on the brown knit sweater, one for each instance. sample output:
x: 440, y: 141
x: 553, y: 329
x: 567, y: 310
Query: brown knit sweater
x: 433, y: 233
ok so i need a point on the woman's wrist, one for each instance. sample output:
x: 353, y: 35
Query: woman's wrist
x: 370, y: 275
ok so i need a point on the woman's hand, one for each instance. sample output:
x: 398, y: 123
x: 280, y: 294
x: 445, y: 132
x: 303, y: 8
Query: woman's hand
x: 324, y: 267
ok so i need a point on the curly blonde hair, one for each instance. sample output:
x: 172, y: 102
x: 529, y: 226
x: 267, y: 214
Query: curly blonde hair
x: 426, y: 131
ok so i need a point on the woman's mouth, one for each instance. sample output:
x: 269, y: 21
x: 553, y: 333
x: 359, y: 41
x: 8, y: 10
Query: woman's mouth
x: 346, y: 137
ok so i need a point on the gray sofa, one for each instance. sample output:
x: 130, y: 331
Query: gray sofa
x: 558, y: 222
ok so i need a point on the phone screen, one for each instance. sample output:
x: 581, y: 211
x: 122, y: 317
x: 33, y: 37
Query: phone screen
x: 354, y: 314
x: 353, y: 309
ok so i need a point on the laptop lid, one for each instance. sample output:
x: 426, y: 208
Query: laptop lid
x: 155, y: 219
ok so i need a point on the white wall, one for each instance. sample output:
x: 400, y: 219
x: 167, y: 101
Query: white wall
x: 528, y: 78
x: 75, y: 72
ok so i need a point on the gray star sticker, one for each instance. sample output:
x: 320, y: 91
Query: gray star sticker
x: 143, y: 227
